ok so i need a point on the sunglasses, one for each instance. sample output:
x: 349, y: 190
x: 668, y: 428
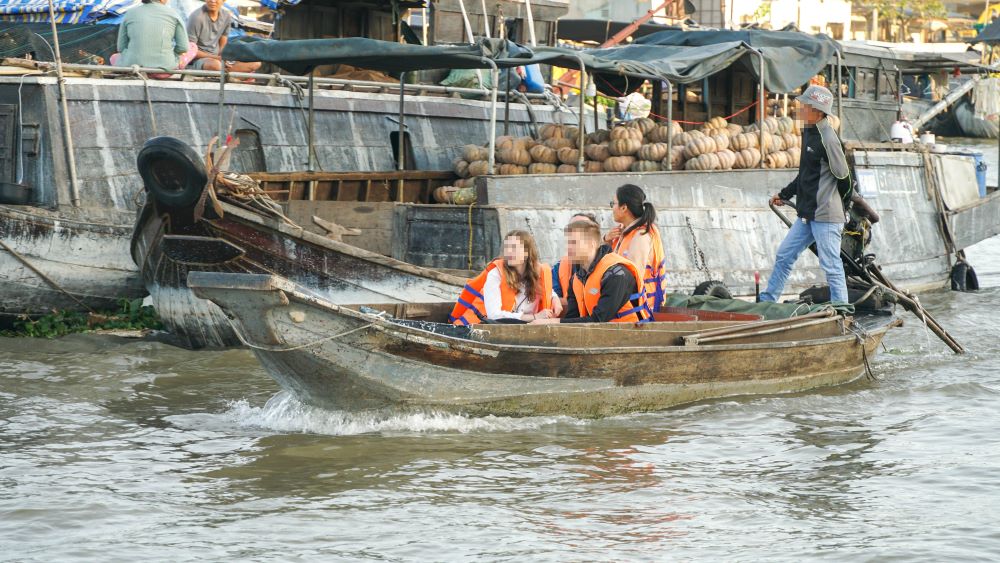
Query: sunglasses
x: 612, y: 203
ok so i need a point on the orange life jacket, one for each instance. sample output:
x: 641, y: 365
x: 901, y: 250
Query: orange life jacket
x: 470, y: 308
x: 565, y: 274
x: 653, y: 266
x: 587, y: 295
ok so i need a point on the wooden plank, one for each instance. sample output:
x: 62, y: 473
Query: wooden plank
x: 375, y: 220
x: 355, y: 176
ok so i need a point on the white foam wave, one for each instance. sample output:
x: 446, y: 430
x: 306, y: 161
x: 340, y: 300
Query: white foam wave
x: 284, y: 413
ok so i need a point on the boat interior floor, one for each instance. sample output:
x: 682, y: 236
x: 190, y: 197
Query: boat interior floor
x: 674, y: 327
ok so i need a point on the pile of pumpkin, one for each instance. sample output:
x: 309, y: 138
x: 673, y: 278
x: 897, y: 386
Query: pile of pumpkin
x: 639, y: 145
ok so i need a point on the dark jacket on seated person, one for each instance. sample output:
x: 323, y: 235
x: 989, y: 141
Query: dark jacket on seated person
x: 617, y: 285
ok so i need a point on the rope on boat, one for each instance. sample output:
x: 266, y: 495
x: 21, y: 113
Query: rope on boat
x: 264, y: 348
x: 149, y: 99
x: 471, y: 205
x: 862, y: 337
x: 240, y: 187
x: 42, y: 275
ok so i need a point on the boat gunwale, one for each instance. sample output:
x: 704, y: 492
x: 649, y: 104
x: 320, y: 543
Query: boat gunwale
x: 408, y: 333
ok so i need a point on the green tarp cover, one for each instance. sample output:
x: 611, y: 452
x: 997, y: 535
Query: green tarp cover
x: 769, y: 311
x: 302, y: 55
x: 791, y: 58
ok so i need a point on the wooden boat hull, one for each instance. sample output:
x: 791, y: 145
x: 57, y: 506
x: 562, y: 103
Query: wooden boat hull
x: 335, y: 357
x: 249, y: 242
x: 82, y: 260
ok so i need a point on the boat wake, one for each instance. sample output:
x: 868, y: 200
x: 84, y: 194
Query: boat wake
x: 284, y: 413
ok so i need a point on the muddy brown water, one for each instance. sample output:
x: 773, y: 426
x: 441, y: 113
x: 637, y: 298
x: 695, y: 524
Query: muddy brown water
x: 116, y: 449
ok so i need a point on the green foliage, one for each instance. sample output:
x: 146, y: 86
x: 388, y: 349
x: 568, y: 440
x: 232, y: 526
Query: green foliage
x: 905, y: 10
x: 763, y: 11
x: 130, y: 315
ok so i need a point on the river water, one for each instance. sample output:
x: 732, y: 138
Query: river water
x: 117, y: 449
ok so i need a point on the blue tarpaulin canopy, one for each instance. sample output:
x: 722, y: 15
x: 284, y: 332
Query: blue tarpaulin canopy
x: 67, y: 11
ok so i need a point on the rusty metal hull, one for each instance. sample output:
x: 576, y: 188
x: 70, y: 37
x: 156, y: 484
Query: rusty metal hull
x: 335, y: 357
x: 82, y: 263
x: 338, y: 272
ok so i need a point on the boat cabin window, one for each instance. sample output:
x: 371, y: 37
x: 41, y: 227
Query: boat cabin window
x: 888, y: 85
x: 8, y: 139
x: 864, y: 84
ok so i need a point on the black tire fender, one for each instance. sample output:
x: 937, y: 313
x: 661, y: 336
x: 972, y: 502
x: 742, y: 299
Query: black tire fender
x: 714, y: 288
x: 172, y: 172
x: 963, y: 277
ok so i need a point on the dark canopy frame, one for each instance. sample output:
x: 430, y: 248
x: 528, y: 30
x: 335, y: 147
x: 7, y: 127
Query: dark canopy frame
x: 784, y: 61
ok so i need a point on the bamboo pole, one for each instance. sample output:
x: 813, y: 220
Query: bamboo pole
x: 74, y: 186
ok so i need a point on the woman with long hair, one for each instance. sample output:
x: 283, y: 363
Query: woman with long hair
x: 516, y: 287
x: 637, y: 238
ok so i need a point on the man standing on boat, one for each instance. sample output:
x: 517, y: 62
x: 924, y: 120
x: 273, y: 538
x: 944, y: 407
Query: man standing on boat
x: 208, y: 27
x: 820, y: 189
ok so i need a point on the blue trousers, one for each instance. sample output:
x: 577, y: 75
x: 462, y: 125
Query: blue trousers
x: 800, y: 236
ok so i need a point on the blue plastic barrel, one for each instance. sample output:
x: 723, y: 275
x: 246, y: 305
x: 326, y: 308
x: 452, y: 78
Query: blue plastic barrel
x: 533, y: 79
x: 980, y: 172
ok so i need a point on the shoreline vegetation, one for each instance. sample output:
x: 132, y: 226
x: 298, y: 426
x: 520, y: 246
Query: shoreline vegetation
x: 131, y: 315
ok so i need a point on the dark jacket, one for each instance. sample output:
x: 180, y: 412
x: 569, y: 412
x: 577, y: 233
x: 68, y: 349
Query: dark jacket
x: 617, y: 285
x: 819, y: 195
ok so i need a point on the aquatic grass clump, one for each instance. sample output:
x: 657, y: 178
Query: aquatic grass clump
x: 130, y: 315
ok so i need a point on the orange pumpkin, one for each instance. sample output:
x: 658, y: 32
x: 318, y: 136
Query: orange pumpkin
x: 618, y: 163
x: 624, y: 147
x: 568, y: 155
x: 645, y: 166
x: 517, y: 156
x: 542, y: 168
x: 653, y: 152
x: 598, y: 152
x: 543, y: 154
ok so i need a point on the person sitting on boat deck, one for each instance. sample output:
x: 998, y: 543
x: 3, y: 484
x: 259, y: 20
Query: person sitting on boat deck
x: 637, y: 238
x: 820, y: 189
x: 516, y: 288
x: 152, y: 35
x: 607, y: 286
x: 208, y: 26
x: 562, y: 271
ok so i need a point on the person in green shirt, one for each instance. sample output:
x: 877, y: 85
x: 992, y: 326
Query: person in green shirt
x: 152, y: 35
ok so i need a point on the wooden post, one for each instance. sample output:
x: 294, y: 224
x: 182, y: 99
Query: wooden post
x: 670, y: 125
x: 401, y: 140
x: 495, y: 74
x: 74, y: 188
x: 657, y: 97
x: 583, y: 106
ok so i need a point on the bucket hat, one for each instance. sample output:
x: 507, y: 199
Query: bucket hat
x: 819, y: 98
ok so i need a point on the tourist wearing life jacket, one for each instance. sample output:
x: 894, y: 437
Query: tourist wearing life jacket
x: 562, y: 271
x: 514, y: 288
x: 637, y: 238
x: 606, y: 287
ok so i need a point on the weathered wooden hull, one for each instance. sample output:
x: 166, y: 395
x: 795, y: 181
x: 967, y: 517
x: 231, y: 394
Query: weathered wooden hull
x: 84, y: 248
x: 83, y: 261
x: 338, y: 358
x: 336, y: 271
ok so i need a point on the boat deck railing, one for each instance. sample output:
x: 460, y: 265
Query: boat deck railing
x: 262, y: 79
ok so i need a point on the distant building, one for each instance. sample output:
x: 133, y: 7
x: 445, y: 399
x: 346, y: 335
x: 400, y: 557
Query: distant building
x: 832, y: 17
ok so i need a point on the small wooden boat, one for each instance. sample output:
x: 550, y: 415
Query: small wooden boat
x: 345, y: 357
x: 172, y: 238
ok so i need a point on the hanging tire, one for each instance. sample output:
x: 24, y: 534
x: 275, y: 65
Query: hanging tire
x: 713, y: 288
x: 963, y: 277
x: 172, y: 172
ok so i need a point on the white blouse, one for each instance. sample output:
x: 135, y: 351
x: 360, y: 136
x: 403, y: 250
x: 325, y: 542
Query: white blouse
x: 494, y: 303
